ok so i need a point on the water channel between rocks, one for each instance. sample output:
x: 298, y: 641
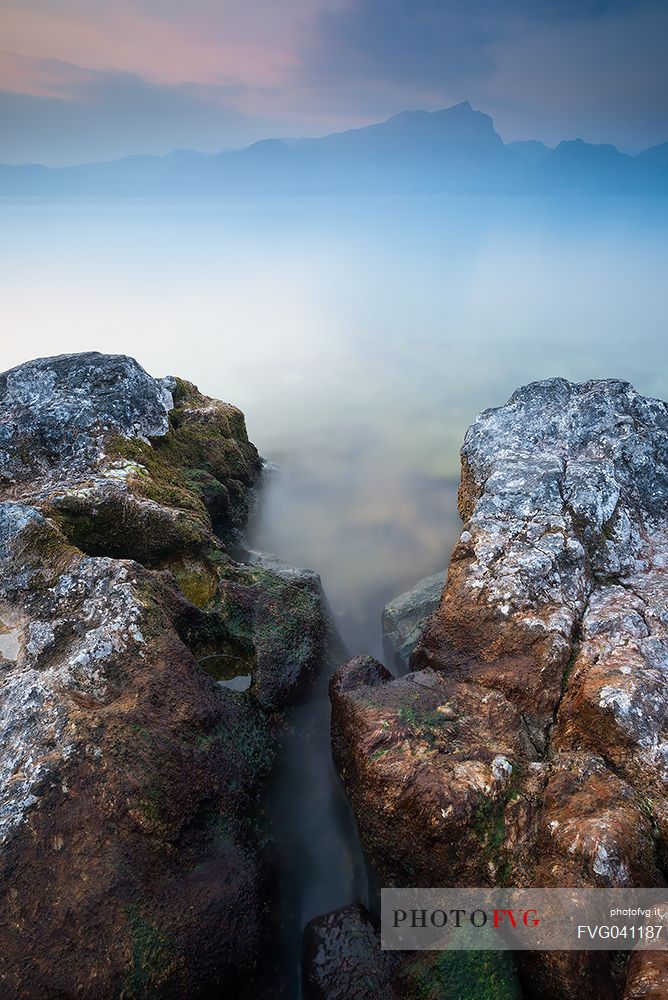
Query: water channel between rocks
x: 318, y: 861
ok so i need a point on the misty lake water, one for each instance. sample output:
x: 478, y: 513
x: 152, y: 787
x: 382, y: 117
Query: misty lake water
x: 360, y: 338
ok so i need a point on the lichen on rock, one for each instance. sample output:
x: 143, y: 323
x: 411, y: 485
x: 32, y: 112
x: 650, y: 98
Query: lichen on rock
x: 549, y: 652
x: 130, y: 845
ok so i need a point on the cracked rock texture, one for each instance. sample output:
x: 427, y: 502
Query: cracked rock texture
x: 131, y: 766
x: 529, y: 746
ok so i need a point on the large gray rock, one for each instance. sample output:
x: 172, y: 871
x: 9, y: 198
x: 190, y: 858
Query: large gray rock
x: 343, y: 958
x: 58, y: 412
x: 129, y: 862
x: 300, y: 576
x: 557, y: 593
x: 556, y: 605
x: 405, y: 617
x: 129, y: 465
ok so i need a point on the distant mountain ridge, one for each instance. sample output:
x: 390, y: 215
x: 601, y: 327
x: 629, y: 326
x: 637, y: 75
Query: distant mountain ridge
x: 455, y: 150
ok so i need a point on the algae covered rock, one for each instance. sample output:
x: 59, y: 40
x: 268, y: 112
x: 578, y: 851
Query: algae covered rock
x: 434, y: 764
x: 131, y: 466
x: 126, y: 773
x: 342, y: 957
x: 131, y: 852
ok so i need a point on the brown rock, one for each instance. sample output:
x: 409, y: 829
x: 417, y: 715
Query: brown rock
x: 432, y: 767
x: 647, y: 977
x: 555, y: 608
x: 141, y: 668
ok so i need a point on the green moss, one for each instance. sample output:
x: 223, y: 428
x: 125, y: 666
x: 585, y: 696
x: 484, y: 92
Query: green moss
x: 462, y: 975
x: 243, y: 735
x: 122, y: 528
x: 151, y: 807
x: 201, y: 467
x: 197, y: 579
x: 426, y: 724
x: 163, y: 479
x: 139, y: 731
x: 151, y: 956
x: 263, y: 611
x: 489, y: 826
x: 203, y: 455
x: 49, y: 551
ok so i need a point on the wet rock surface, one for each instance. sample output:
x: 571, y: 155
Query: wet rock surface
x: 131, y: 860
x: 405, y: 618
x: 529, y: 745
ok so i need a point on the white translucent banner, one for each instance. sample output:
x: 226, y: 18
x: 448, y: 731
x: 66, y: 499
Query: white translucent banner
x: 524, y: 919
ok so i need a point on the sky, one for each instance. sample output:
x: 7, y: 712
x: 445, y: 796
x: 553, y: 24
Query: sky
x: 84, y: 80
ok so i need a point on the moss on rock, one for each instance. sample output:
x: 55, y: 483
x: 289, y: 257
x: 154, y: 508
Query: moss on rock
x: 461, y: 975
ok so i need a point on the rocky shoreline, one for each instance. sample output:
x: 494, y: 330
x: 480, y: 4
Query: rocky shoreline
x: 132, y: 864
x: 529, y: 743
x: 147, y: 661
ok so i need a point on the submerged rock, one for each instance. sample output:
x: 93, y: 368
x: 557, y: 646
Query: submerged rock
x: 530, y: 744
x: 130, y: 859
x: 405, y: 617
x: 647, y: 977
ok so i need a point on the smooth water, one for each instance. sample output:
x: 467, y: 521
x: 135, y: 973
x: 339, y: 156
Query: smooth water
x: 360, y: 337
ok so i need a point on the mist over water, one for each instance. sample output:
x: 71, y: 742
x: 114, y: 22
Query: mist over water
x: 359, y: 336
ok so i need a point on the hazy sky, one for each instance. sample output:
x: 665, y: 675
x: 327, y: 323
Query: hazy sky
x: 92, y: 79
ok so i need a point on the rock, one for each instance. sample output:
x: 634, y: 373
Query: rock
x: 405, y: 617
x: 307, y: 579
x: 125, y: 863
x: 58, y: 412
x: 130, y: 862
x: 343, y: 959
x: 558, y: 596
x: 647, y: 973
x: 129, y: 466
x: 559, y: 489
x: 549, y: 652
x: 285, y: 627
x: 647, y: 977
x: 432, y: 767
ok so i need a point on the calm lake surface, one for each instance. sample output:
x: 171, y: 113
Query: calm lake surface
x: 360, y: 338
